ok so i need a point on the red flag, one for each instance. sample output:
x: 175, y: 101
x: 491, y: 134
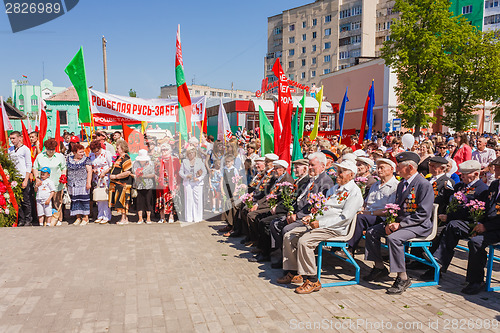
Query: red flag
x: 183, y: 96
x: 58, y: 132
x: 3, y: 134
x: 42, y: 129
x: 26, y: 139
x: 285, y: 113
x: 135, y: 139
x: 277, y: 128
x: 363, y: 121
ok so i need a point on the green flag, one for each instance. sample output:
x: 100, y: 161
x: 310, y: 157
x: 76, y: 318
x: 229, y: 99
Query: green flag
x: 296, y: 151
x: 302, y: 116
x: 76, y: 73
x: 266, y: 133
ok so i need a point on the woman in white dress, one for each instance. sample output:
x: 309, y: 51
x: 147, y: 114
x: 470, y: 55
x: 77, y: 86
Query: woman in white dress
x: 193, y: 172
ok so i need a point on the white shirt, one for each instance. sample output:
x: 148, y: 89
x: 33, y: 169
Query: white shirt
x: 43, y: 191
x: 381, y: 194
x: 341, y: 211
x: 22, y: 159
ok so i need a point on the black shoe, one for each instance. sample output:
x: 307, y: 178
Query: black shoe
x: 429, y: 275
x: 235, y: 234
x: 376, y: 274
x: 474, y: 288
x: 245, y: 240
x: 263, y: 257
x: 416, y: 265
x: 277, y: 265
x: 399, y: 286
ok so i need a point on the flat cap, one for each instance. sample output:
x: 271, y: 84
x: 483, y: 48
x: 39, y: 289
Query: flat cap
x: 469, y: 166
x: 272, y: 157
x: 439, y: 160
x: 408, y: 156
x: 349, y: 156
x: 260, y: 159
x: 386, y: 161
x: 366, y: 160
x: 302, y: 161
x: 281, y: 163
x: 329, y: 154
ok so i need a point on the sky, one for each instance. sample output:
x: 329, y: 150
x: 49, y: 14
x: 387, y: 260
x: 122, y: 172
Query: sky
x: 223, y: 42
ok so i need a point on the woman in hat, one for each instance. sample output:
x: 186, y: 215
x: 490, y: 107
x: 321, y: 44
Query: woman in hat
x: 168, y: 181
x: 193, y: 173
x: 120, y: 185
x: 144, y: 174
x: 101, y: 160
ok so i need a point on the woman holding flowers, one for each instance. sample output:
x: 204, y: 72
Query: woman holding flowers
x: 193, y: 173
x: 57, y: 165
x: 168, y: 181
x: 144, y: 174
x: 101, y: 165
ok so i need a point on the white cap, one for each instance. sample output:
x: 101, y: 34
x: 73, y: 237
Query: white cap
x: 260, y: 159
x: 347, y: 164
x: 281, y: 163
x: 359, y: 152
x: 366, y: 160
x: 387, y: 161
x: 272, y: 157
x: 349, y: 157
x: 143, y: 155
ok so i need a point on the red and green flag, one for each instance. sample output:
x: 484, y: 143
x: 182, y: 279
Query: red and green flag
x: 76, y: 73
x: 183, y: 97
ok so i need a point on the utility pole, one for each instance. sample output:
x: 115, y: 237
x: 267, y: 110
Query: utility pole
x: 104, y: 41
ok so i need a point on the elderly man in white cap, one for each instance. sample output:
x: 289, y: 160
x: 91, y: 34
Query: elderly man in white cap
x: 365, y: 166
x: 344, y: 201
x: 261, y: 208
x: 380, y: 194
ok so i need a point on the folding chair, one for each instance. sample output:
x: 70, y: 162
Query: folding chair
x: 336, y: 242
x: 489, y: 267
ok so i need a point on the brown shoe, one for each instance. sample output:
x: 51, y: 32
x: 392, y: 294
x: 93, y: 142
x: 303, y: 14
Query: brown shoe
x: 226, y: 228
x: 308, y: 287
x: 290, y: 278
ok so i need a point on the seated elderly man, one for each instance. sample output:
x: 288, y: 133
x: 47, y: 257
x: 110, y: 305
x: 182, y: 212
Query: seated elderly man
x: 344, y: 201
x: 415, y: 197
x: 365, y: 166
x: 381, y: 193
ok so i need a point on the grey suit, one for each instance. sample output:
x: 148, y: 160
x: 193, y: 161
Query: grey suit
x: 416, y: 204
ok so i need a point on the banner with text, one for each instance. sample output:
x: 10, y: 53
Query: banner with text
x: 109, y: 109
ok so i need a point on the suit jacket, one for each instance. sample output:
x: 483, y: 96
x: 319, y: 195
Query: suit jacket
x: 443, y: 190
x: 252, y: 186
x: 300, y: 187
x: 491, y: 220
x: 228, y: 184
x: 264, y: 186
x: 416, y: 204
x: 263, y: 203
x: 322, y: 184
x: 478, y: 191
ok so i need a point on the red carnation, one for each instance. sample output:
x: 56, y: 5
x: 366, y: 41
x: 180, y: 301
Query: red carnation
x: 2, y: 201
x: 63, y: 179
x: 3, y: 188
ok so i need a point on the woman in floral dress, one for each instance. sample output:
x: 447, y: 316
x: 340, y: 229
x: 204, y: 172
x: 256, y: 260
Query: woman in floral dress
x: 79, y: 176
x: 168, y: 170
x: 101, y: 165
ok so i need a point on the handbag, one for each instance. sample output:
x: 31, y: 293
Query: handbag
x: 100, y: 193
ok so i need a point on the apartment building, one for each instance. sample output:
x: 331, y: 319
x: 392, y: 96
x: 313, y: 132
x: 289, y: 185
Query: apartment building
x: 203, y: 90
x: 326, y: 36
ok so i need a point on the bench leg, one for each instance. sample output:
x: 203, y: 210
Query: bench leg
x: 489, y: 268
x: 320, y: 259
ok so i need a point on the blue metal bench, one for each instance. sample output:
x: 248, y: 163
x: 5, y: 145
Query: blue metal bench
x: 489, y: 267
x: 336, y: 242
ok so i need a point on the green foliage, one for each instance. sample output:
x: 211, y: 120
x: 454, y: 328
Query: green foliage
x: 7, y: 220
x: 440, y: 59
x: 9, y: 100
x: 132, y: 93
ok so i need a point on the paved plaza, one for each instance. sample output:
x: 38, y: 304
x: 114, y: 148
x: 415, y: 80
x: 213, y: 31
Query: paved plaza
x: 176, y: 278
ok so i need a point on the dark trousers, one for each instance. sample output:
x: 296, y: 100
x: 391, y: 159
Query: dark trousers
x: 144, y: 200
x: 25, y: 213
x: 454, y: 231
x: 264, y: 227
x: 478, y: 255
x: 363, y: 222
x: 253, y: 220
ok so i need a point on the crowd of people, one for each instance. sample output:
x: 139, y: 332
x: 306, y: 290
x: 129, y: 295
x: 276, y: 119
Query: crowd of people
x: 278, y: 207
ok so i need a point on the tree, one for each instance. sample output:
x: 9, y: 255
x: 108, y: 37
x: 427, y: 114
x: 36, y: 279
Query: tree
x: 415, y: 53
x: 474, y: 75
x: 132, y: 93
x: 9, y: 100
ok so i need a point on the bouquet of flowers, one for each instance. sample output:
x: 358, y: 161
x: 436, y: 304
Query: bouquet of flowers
x: 391, y: 212
x: 272, y: 199
x: 139, y: 172
x: 247, y: 200
x: 240, y: 190
x: 236, y: 179
x: 318, y: 204
x: 333, y: 175
x: 361, y: 182
x: 63, y: 179
x: 458, y: 200
x: 287, y: 191
x: 476, y: 211
x: 10, y: 191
